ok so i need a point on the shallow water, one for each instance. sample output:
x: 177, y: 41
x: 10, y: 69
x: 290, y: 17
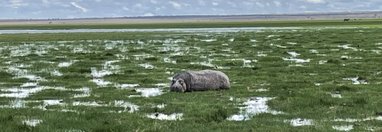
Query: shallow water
x: 128, y: 107
x: 32, y: 122
x: 149, y: 92
x: 161, y: 116
x: 124, y: 86
x: 356, y: 80
x: 343, y: 128
x: 65, y: 64
x: 253, y: 106
x: 352, y: 120
x: 25, y: 92
x: 300, y: 122
x: 237, y: 29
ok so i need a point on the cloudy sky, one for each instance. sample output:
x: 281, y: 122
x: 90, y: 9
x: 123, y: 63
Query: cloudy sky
x: 25, y: 9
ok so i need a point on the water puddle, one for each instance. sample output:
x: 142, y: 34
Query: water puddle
x: 160, y: 116
x: 91, y: 104
x: 99, y: 74
x: 128, y: 107
x: 294, y: 58
x: 147, y: 66
x: 356, y: 80
x: 300, y: 122
x: 291, y: 43
x: 65, y: 64
x: 15, y: 104
x: 211, y: 30
x: 352, y: 120
x: 345, y: 128
x: 336, y: 95
x: 262, y: 90
x: 56, y: 73
x: 252, y: 107
x: 85, y: 92
x: 107, y: 69
x: 101, y: 82
x: 148, y: 92
x: 347, y: 46
x: 313, y: 51
x: 160, y: 106
x: 247, y: 63
x: 161, y: 84
x: 32, y: 122
x: 208, y: 40
x: 321, y: 62
x: 168, y: 60
x: 261, y: 54
x: 25, y: 92
x: 23, y: 73
x: 297, y: 60
x: 127, y: 86
x: 293, y: 54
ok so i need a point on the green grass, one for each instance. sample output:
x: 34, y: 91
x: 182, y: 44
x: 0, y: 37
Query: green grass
x: 292, y: 86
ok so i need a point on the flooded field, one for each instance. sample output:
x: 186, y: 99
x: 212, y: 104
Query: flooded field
x: 283, y: 79
x: 187, y: 30
x: 216, y: 30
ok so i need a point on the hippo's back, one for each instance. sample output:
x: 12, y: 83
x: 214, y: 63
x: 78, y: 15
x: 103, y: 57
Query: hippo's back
x: 208, y: 79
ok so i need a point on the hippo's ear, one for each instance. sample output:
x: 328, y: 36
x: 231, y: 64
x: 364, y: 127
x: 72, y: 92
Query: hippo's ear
x: 176, y: 76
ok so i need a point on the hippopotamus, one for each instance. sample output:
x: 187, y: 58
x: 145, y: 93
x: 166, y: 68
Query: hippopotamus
x: 199, y: 81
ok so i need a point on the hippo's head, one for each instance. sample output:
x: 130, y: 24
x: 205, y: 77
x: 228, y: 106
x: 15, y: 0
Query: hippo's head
x: 180, y: 82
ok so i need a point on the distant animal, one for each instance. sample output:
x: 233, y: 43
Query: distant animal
x: 199, y: 81
x: 346, y: 19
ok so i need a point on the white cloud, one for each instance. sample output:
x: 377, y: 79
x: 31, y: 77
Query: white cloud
x: 153, y: 2
x: 148, y: 14
x: 36, y: 12
x: 268, y: 4
x: 201, y: 2
x: 277, y: 3
x: 17, y: 3
x: 260, y: 4
x: 215, y: 3
x: 176, y: 5
x: 316, y: 1
x: 158, y: 8
x: 45, y: 2
x: 83, y: 9
x: 246, y: 3
x: 232, y: 4
x: 126, y: 8
x: 138, y: 5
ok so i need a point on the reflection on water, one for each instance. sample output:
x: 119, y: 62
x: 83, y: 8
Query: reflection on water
x: 237, y: 29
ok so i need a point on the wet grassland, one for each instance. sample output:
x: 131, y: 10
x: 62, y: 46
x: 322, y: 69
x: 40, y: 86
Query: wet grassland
x: 315, y: 79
